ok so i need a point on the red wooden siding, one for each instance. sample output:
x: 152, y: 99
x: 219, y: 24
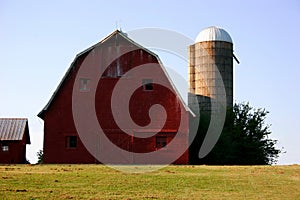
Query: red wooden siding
x: 59, y: 128
x: 14, y: 135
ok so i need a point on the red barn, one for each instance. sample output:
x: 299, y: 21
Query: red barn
x: 152, y: 116
x: 14, y: 135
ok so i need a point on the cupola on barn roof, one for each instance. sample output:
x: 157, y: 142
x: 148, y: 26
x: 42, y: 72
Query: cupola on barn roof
x: 213, y: 33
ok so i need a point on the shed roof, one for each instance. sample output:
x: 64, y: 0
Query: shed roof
x: 14, y: 129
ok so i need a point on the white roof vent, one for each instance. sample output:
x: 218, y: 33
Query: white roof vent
x: 213, y: 33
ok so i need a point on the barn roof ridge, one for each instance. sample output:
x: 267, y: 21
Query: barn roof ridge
x: 125, y: 36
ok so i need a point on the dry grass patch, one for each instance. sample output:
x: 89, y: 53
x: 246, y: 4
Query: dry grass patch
x: 172, y: 182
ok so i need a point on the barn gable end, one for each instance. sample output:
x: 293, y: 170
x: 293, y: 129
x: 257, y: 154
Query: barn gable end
x: 82, y: 54
x: 62, y: 143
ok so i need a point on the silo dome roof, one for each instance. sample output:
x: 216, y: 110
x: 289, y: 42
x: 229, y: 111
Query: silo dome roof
x: 213, y: 33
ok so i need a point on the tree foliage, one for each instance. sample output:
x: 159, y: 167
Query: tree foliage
x: 40, y: 155
x: 244, y: 139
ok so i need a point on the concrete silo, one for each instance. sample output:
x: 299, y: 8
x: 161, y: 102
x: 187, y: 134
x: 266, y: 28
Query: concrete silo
x: 210, y: 89
x: 211, y: 61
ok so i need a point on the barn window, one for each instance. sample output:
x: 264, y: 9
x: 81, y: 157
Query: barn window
x: 114, y: 70
x: 119, y: 68
x: 5, y: 146
x: 71, y: 141
x: 161, y: 142
x: 84, y: 84
x: 147, y: 84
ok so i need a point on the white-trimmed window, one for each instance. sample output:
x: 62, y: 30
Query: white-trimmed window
x: 161, y: 142
x: 84, y: 84
x: 5, y: 146
x: 71, y: 141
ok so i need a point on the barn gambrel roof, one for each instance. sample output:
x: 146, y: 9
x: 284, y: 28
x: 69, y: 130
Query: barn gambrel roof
x: 123, y: 35
x: 14, y: 129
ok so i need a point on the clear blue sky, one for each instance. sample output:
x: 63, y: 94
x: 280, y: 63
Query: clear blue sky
x: 39, y: 40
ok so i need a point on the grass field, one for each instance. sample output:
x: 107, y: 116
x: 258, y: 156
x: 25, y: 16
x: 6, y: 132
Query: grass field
x: 172, y: 182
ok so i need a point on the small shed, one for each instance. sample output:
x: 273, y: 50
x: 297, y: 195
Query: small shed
x: 14, y: 135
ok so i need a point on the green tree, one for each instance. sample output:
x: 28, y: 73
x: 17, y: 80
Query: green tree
x: 40, y: 155
x: 244, y: 139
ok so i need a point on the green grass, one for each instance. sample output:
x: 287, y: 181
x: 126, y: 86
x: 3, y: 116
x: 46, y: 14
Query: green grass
x: 172, y: 182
